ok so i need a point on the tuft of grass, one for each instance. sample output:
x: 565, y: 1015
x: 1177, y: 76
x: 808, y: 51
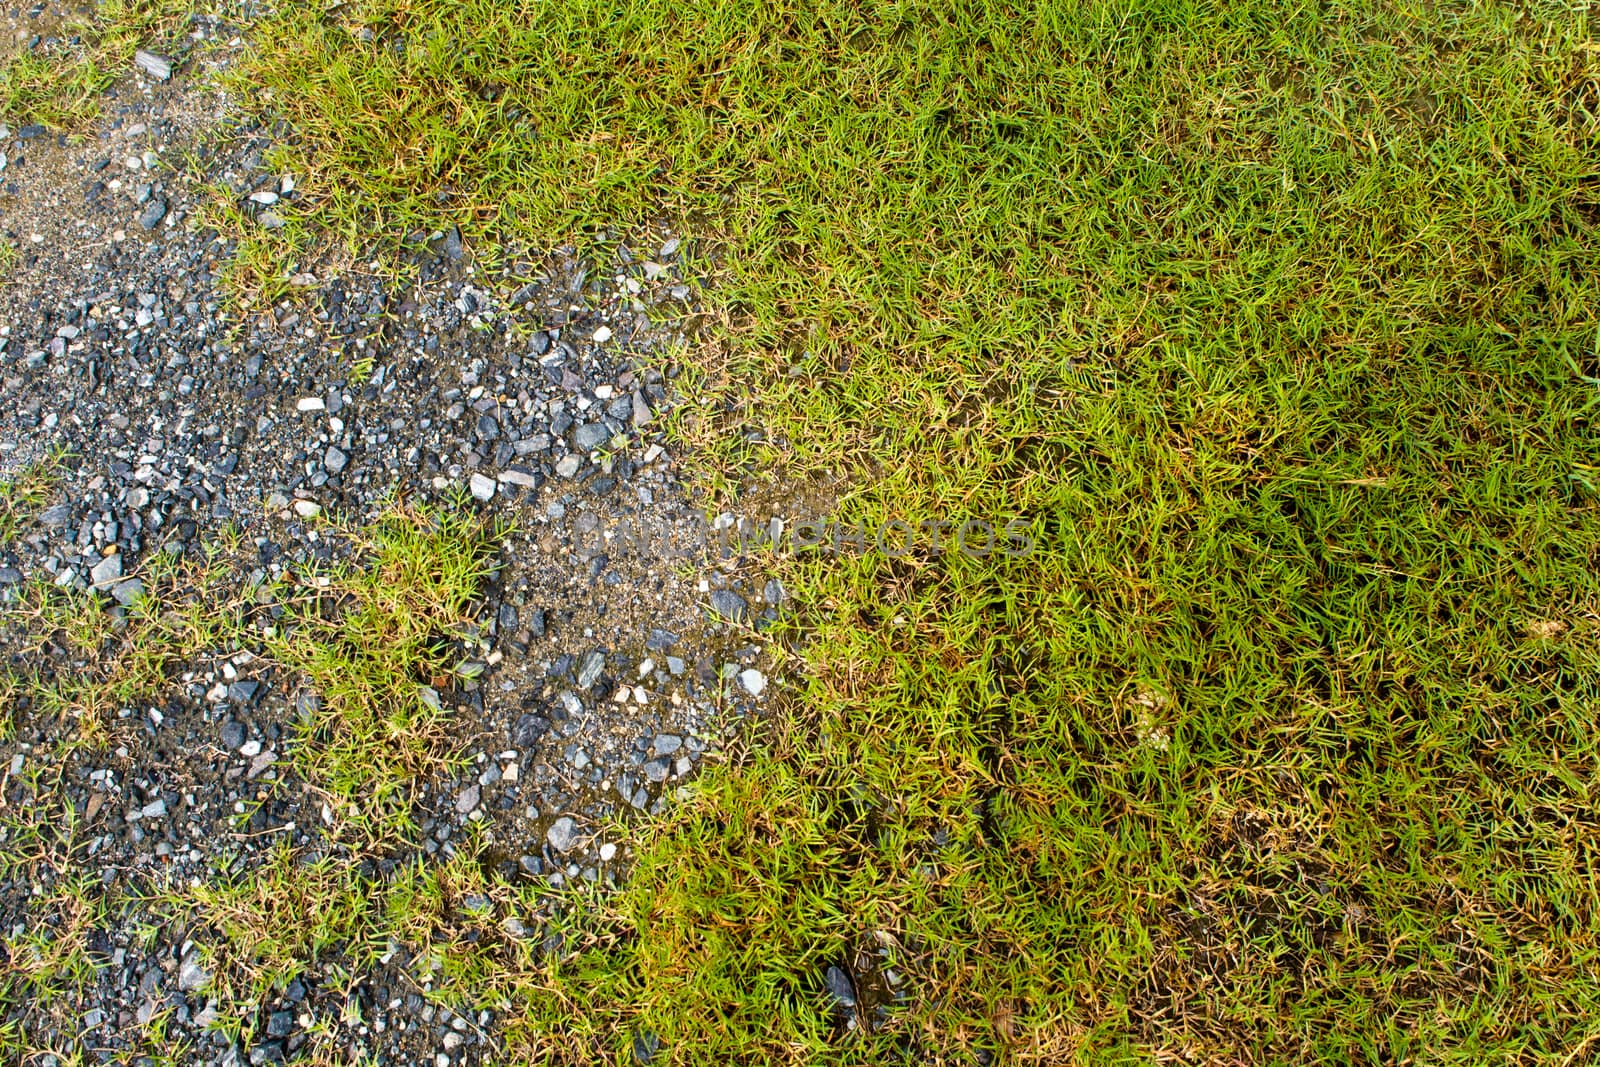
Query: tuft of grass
x: 379, y: 636
x: 262, y: 262
x: 25, y: 493
x: 87, y: 662
x: 283, y: 917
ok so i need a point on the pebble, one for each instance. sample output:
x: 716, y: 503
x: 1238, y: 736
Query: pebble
x: 728, y: 604
x: 482, y: 487
x: 158, y: 67
x: 589, y: 670
x: 467, y: 800
x: 106, y: 571
x: 128, y: 593
x: 192, y: 974
x: 753, y: 681
x: 561, y: 833
x: 590, y: 436
x: 841, y: 987
x: 153, y: 213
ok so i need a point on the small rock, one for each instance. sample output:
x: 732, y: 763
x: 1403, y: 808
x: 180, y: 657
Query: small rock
x: 753, y: 681
x: 105, y: 572
x: 666, y: 744
x: 158, y: 67
x: 840, y: 986
x: 333, y: 460
x: 192, y: 973
x: 728, y: 604
x: 467, y: 802
x: 128, y: 593
x: 482, y: 486
x: 641, y: 414
x: 529, y: 729
x: 232, y: 734
x: 453, y: 247
x: 589, y: 670
x: 561, y: 834
x: 153, y: 213
x: 590, y: 436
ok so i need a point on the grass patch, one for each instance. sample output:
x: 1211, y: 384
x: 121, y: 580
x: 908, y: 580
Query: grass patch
x: 1276, y: 321
x: 262, y: 261
x: 23, y: 494
x: 59, y: 83
x: 382, y: 636
x: 468, y: 941
x: 82, y: 662
x: 379, y: 636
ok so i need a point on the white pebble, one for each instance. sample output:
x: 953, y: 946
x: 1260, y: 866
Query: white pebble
x: 753, y: 680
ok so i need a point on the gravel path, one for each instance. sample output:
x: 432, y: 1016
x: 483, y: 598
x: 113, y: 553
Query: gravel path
x: 537, y: 396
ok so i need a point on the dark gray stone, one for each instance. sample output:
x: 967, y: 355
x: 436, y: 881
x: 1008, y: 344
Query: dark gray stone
x: 153, y: 213
x: 728, y: 604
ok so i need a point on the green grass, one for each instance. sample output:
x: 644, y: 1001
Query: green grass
x: 261, y: 262
x: 24, y: 493
x: 1278, y: 320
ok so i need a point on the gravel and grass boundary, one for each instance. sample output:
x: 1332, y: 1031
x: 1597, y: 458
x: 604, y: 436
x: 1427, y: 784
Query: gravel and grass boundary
x: 1277, y: 324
